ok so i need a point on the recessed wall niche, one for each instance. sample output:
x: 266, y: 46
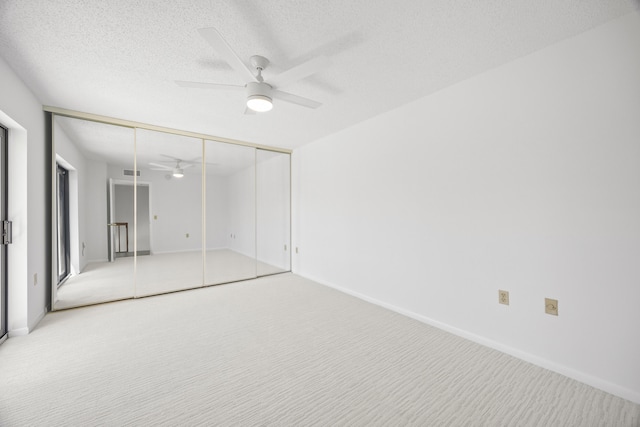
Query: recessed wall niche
x: 148, y: 211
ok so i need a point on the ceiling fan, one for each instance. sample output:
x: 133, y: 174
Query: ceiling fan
x: 177, y: 170
x: 259, y: 93
x: 180, y: 165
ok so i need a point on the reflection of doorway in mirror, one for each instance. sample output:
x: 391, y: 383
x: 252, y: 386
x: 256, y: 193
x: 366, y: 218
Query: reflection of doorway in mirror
x: 122, y: 210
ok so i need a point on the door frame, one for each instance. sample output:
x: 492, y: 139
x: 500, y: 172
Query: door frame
x: 4, y: 213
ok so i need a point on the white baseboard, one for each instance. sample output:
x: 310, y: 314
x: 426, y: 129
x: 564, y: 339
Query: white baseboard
x: 176, y: 252
x: 27, y: 329
x: 583, y: 377
x: 18, y: 332
x: 184, y: 250
x: 37, y: 320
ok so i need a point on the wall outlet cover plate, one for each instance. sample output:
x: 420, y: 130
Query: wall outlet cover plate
x: 551, y: 306
x: 503, y: 297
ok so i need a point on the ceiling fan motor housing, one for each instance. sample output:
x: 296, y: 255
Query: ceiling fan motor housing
x: 259, y: 91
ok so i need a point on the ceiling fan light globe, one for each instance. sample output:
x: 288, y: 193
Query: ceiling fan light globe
x: 178, y: 173
x: 259, y: 103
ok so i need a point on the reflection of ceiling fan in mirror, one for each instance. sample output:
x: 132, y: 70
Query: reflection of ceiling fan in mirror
x: 259, y: 93
x: 176, y: 166
x: 179, y: 165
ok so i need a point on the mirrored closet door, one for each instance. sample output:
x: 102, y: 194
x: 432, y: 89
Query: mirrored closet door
x: 137, y: 211
x: 169, y: 225
x: 230, y: 213
x: 273, y: 212
x: 92, y: 258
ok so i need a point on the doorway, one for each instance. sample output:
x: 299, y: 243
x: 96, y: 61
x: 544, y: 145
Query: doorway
x: 129, y: 222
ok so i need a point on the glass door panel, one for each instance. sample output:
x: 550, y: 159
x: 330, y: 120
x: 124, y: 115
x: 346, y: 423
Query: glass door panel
x: 230, y: 213
x: 273, y: 212
x: 169, y: 213
x: 93, y: 155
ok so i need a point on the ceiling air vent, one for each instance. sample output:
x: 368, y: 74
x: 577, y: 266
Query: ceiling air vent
x: 129, y: 172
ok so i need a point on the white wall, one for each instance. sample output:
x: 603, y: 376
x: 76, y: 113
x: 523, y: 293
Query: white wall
x: 525, y: 178
x: 217, y: 194
x: 177, y: 204
x: 241, y: 211
x: 175, y: 211
x: 230, y: 209
x: 28, y: 193
x: 95, y: 208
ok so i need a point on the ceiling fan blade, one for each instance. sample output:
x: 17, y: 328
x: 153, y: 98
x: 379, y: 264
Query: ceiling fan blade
x: 299, y: 72
x: 195, y: 161
x: 198, y: 161
x: 222, y: 48
x: 161, y: 167
x: 295, y: 99
x: 215, y: 86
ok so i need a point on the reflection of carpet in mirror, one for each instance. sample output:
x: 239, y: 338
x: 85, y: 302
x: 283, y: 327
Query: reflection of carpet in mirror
x: 155, y: 274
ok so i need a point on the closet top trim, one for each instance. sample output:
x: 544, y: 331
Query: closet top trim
x: 130, y: 124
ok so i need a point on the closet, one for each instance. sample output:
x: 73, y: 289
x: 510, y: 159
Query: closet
x: 154, y: 210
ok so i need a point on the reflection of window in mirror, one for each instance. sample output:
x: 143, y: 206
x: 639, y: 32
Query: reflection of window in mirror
x: 92, y: 153
x: 62, y: 224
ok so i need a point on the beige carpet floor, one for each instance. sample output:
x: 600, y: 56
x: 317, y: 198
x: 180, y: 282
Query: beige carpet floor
x: 276, y: 351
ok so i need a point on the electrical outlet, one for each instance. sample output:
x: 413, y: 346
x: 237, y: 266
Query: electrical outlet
x: 551, y: 306
x: 503, y: 297
x: 186, y: 235
x: 35, y: 279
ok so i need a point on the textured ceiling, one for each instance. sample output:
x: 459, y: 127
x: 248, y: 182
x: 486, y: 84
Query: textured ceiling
x: 120, y: 58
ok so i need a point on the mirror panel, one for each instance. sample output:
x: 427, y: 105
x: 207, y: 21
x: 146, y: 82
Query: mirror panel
x: 169, y: 213
x: 230, y: 213
x: 125, y: 225
x: 93, y: 155
x: 273, y: 212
